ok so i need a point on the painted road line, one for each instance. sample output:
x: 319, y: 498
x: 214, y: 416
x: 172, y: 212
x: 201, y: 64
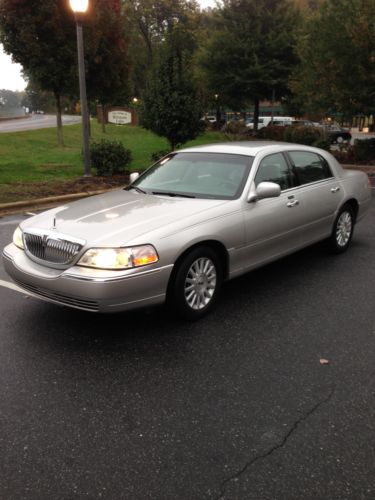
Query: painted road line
x: 12, y: 286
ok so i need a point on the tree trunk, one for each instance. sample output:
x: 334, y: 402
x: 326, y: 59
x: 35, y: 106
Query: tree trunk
x: 60, y: 138
x: 103, y: 118
x: 256, y: 114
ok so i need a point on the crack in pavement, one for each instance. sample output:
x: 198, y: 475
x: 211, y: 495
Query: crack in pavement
x: 281, y: 444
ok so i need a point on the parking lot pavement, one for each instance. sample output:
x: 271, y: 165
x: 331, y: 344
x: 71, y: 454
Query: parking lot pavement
x: 236, y: 406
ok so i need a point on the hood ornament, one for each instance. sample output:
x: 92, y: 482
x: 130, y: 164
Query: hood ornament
x: 54, y: 223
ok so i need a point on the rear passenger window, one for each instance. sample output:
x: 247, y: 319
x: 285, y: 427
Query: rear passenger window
x: 309, y: 167
x: 274, y: 168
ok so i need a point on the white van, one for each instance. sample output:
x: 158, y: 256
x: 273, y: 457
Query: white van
x: 264, y: 121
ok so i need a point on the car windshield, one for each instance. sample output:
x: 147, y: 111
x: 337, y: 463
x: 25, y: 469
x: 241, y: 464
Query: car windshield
x: 197, y: 175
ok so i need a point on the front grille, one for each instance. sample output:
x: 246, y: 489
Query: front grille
x: 51, y: 249
x: 89, y: 305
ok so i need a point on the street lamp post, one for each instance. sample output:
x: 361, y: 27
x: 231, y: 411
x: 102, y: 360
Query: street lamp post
x: 79, y: 7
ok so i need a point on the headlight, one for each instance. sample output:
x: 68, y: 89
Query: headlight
x: 119, y: 258
x: 18, y: 238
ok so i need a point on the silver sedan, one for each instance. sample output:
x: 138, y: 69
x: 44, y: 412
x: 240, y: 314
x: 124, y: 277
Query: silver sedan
x: 196, y: 218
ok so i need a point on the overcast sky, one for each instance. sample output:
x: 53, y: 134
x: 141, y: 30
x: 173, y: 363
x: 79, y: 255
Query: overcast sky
x: 10, y: 73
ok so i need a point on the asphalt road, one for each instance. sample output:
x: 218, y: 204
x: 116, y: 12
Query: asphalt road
x: 236, y: 406
x: 36, y: 122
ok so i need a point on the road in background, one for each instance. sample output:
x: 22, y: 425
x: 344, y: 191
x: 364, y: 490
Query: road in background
x: 36, y: 122
x: 235, y: 406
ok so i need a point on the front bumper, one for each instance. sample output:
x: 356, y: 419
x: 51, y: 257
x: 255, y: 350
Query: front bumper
x: 88, y: 289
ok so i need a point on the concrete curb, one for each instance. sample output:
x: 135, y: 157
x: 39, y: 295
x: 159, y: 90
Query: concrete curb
x: 50, y: 202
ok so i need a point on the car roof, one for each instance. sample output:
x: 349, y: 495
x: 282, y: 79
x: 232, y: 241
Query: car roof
x: 248, y: 148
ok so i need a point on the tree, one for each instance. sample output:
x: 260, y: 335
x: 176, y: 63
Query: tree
x: 149, y: 22
x: 108, y: 64
x: 337, y: 69
x: 252, y: 52
x: 41, y: 37
x: 11, y: 99
x: 171, y: 107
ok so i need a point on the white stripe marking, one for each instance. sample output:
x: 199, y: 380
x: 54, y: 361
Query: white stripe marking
x: 12, y: 286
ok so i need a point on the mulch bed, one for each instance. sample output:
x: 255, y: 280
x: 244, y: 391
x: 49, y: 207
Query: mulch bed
x: 22, y: 191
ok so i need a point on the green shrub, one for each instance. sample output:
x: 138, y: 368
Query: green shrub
x: 272, y: 133
x: 109, y: 157
x: 303, y: 135
x: 158, y: 155
x: 345, y: 155
x: 364, y: 150
x: 322, y: 144
x: 236, y: 131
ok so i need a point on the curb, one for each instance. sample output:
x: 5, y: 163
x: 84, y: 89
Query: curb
x: 50, y: 202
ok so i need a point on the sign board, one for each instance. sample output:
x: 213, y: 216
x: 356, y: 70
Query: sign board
x: 119, y: 117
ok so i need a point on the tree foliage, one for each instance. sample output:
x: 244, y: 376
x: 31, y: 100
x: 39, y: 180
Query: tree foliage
x: 171, y: 106
x: 149, y: 22
x: 108, y: 63
x: 41, y: 36
x: 252, y: 51
x: 337, y: 53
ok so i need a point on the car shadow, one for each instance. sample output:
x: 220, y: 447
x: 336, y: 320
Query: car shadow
x: 157, y: 329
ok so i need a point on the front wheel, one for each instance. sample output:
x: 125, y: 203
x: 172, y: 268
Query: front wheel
x: 196, y: 284
x: 342, y: 231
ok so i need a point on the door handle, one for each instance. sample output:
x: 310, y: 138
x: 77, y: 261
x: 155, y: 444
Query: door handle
x: 292, y: 203
x: 334, y: 190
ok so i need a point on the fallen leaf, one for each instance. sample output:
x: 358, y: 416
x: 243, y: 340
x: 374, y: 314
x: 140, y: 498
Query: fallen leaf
x: 324, y: 361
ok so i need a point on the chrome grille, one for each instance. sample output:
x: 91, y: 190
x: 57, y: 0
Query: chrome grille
x: 51, y: 249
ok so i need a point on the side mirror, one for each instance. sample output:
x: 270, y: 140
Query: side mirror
x: 133, y: 177
x: 264, y: 190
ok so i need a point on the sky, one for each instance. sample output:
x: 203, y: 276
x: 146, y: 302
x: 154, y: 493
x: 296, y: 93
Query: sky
x: 10, y: 73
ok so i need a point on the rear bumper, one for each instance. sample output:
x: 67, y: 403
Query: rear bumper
x: 89, y: 290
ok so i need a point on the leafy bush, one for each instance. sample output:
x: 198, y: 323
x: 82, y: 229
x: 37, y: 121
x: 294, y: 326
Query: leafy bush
x: 364, y: 150
x: 344, y: 155
x: 303, y: 135
x: 272, y: 133
x: 158, y: 155
x: 109, y: 157
x: 322, y: 144
x: 236, y: 131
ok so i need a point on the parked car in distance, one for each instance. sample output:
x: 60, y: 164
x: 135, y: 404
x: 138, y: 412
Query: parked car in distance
x: 196, y: 218
x: 265, y: 121
x: 337, y: 134
x: 305, y: 123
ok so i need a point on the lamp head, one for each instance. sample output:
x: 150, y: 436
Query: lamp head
x: 79, y: 6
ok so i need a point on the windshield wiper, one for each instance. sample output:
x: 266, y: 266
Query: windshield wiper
x: 169, y: 193
x: 139, y: 190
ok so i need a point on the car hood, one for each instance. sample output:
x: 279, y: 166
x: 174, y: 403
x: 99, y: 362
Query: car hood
x: 120, y: 217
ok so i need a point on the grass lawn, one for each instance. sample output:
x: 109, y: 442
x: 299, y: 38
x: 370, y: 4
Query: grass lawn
x: 32, y: 158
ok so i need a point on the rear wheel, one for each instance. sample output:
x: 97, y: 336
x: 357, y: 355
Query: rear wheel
x: 196, y: 283
x: 342, y: 231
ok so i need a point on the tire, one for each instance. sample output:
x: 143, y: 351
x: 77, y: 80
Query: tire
x: 196, y: 284
x: 342, y: 231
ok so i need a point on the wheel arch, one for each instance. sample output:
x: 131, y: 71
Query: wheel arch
x: 215, y: 245
x: 354, y: 205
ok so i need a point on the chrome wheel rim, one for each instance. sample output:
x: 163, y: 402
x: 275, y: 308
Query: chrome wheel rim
x: 344, y: 229
x: 200, y: 283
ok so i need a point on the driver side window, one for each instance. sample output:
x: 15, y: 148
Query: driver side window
x: 274, y: 168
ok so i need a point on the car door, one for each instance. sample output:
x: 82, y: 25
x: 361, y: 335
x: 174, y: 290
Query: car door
x: 273, y: 226
x: 321, y: 193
